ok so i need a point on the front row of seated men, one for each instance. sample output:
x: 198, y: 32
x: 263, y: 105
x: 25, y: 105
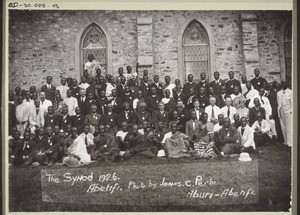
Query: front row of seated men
x: 197, y: 139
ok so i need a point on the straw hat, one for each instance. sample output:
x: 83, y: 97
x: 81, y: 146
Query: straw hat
x: 244, y: 156
x: 72, y: 162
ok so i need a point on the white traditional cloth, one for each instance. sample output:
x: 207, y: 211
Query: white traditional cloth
x: 251, y: 94
x: 264, y: 128
x: 72, y: 103
x: 22, y: 114
x: 284, y: 98
x: 121, y: 134
x: 91, y: 67
x: 83, y: 85
x: 244, y: 88
x: 89, y: 136
x: 247, y: 138
x: 170, y: 87
x: 217, y: 127
x: 63, y: 91
x: 78, y: 148
x: 243, y: 112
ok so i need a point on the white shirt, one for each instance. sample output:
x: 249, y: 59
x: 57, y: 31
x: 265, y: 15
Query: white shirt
x: 72, y: 103
x: 90, y: 138
x: 121, y: 134
x: 264, y: 128
x: 45, y: 104
x: 209, y: 109
x: 167, y: 135
x: 217, y: 127
x: 83, y: 85
x: 264, y: 102
x: 63, y: 91
x: 232, y: 111
x: 170, y: 87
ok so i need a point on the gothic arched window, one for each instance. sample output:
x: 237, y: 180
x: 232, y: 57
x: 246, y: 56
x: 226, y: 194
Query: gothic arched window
x: 94, y: 41
x: 195, y: 45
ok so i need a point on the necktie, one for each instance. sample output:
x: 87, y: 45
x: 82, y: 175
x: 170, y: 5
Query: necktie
x: 194, y: 126
x: 85, y: 140
x: 243, y: 129
x: 259, y: 124
x: 49, y: 87
x: 37, y: 111
x: 228, y: 112
x: 212, y: 112
x: 262, y: 101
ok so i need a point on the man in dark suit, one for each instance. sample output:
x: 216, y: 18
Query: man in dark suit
x: 157, y: 85
x: 121, y: 86
x: 109, y: 117
x: 51, y: 119
x: 144, y: 86
x: 222, y: 97
x: 48, y: 89
x: 160, y: 116
x: 88, y: 103
x: 257, y: 82
x: 127, y: 96
x: 65, y: 119
x: 191, y: 99
x: 217, y: 83
x: 75, y: 89
x: 102, y: 103
x: 142, y: 115
x: 78, y: 120
x: 190, y: 84
x: 82, y: 98
x: 192, y: 127
x: 126, y: 115
x: 179, y: 95
x: 256, y: 109
x: 152, y: 101
x: 231, y: 83
x: 203, y: 83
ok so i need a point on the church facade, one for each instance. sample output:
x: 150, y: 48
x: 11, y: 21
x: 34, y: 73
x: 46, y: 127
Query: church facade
x: 174, y: 43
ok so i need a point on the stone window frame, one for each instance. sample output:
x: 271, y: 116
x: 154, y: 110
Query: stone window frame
x: 79, y: 38
x: 281, y: 50
x: 211, y: 61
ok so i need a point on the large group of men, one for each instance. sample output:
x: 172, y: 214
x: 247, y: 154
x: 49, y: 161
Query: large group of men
x: 115, y: 118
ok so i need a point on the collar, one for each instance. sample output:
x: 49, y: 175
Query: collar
x: 153, y: 96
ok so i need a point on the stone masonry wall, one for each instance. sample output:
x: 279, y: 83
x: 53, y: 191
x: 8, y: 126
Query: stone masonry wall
x: 43, y: 43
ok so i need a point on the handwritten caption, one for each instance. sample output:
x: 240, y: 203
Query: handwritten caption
x: 32, y: 5
x: 139, y: 183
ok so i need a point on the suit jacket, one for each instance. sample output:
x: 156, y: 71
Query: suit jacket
x: 22, y: 150
x: 187, y: 86
x: 141, y: 117
x: 93, y: 120
x: 200, y: 113
x: 257, y: 82
x: 87, y: 106
x: 81, y: 103
x: 120, y: 89
x: 152, y: 103
x: 127, y: 98
x: 217, y: 86
x: 229, y: 136
x: 204, y: 84
x: 37, y: 119
x: 182, y: 97
x: 101, y: 104
x: 50, y: 143
x: 158, y: 116
x: 253, y: 112
x: 75, y: 91
x: 48, y: 92
x: 78, y: 121
x: 231, y: 83
x: 190, y: 102
x: 145, y: 89
x: 63, y: 122
x: 131, y: 118
x: 51, y: 120
x: 222, y: 99
x: 247, y: 138
x: 190, y: 131
x: 111, y: 119
x: 38, y: 139
x: 159, y: 89
x: 264, y: 127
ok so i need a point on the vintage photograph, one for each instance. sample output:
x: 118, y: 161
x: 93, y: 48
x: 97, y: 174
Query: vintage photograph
x: 150, y: 110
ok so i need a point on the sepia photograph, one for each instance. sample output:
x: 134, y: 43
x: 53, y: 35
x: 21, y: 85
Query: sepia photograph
x: 149, y: 110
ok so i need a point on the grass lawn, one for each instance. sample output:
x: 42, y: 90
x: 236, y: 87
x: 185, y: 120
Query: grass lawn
x: 274, y: 180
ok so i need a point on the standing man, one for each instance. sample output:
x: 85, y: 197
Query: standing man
x: 48, y: 89
x: 232, y: 82
x: 284, y: 98
x: 71, y: 102
x: 257, y: 81
x: 228, y: 110
x: 63, y: 88
x: 203, y: 83
x: 157, y: 85
x: 217, y: 83
x: 190, y: 84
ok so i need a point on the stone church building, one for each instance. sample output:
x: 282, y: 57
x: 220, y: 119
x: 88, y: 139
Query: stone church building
x: 174, y: 43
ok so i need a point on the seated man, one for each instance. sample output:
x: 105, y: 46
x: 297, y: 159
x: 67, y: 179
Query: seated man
x: 110, y: 118
x: 78, y: 120
x: 161, y: 115
x: 40, y: 135
x: 255, y: 110
x: 227, y: 141
x: 262, y: 131
x: 236, y: 121
x: 209, y: 125
x: 120, y: 135
x: 88, y: 137
x: 50, y: 118
x: 136, y: 144
x: 36, y: 116
x: 75, y: 147
x: 142, y: 115
x: 22, y: 150
x: 64, y: 119
x: 192, y: 127
x: 145, y: 128
x: 126, y: 115
x: 176, y: 143
x: 204, y: 148
x: 93, y: 119
x: 106, y: 147
x: 219, y: 125
x: 243, y: 111
x: 246, y: 137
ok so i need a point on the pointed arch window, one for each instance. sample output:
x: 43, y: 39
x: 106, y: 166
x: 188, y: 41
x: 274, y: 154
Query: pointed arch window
x: 94, y: 41
x: 196, y: 50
